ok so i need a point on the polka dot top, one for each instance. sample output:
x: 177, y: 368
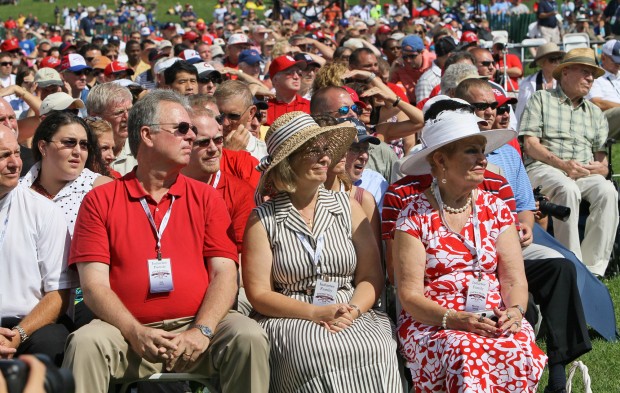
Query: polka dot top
x: 70, y: 197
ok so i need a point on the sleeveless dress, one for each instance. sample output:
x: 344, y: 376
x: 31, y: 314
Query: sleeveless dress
x: 454, y: 360
x: 305, y: 357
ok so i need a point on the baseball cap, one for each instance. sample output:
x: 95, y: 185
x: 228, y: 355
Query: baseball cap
x: 307, y: 58
x: 163, y: 64
x: 191, y: 36
x: 384, y: 29
x: 260, y: 104
x: 612, y: 49
x: 91, y: 9
x: 58, y: 102
x: 469, y: 37
x: 10, y: 45
x: 145, y: 31
x: 48, y: 77
x: 50, y: 61
x: 468, y: 26
x: 500, y: 40
x: 169, y: 26
x: 100, y: 62
x: 502, y: 99
x: 238, y: 38
x: 117, y: 66
x: 444, y: 46
x: 216, y: 51
x: 73, y: 62
x: 412, y: 43
x: 362, y: 132
x: 65, y: 46
x: 283, y: 63
x: 355, y: 97
x: 250, y: 56
x: 201, y: 26
x: 191, y: 56
x: 206, y: 69
x: 164, y: 44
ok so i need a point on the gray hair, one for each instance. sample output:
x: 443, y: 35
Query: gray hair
x: 146, y: 111
x: 234, y: 90
x: 103, y: 97
x: 455, y: 74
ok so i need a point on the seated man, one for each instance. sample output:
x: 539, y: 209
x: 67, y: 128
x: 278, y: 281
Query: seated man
x: 34, y: 245
x: 605, y: 92
x: 564, y: 137
x: 164, y: 297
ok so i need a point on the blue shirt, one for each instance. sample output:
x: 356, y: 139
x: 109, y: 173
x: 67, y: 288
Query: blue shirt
x: 375, y: 184
x: 507, y: 158
x: 545, y: 6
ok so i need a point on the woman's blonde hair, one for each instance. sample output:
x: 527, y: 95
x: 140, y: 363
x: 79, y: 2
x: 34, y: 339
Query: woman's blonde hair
x: 330, y: 75
x: 280, y: 48
x: 99, y: 126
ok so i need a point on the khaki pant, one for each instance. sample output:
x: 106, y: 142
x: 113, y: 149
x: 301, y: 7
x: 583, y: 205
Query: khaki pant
x: 237, y: 358
x: 551, y: 34
x: 601, y: 224
x: 613, y: 119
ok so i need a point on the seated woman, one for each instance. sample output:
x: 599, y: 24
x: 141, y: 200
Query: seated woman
x: 457, y: 253
x: 311, y: 269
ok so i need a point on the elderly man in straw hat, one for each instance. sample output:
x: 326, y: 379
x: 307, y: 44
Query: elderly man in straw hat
x: 564, y: 136
x: 605, y: 92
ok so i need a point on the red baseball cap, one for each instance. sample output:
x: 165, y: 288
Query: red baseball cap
x: 384, y: 29
x: 201, y: 26
x: 50, y: 62
x: 10, y: 45
x: 117, y: 66
x: 190, y: 36
x: 502, y: 99
x: 355, y: 97
x: 283, y: 63
x: 469, y: 36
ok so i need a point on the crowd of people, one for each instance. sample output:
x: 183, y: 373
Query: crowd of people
x: 293, y: 203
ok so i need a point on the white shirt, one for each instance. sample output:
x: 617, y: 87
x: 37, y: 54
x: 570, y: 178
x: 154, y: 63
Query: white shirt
x: 607, y: 87
x: 427, y: 82
x: 70, y: 196
x: 256, y: 147
x: 526, y: 90
x: 34, y: 254
x: 125, y: 161
x: 375, y: 184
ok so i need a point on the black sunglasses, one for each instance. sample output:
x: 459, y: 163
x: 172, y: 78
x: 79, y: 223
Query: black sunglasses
x: 183, y: 127
x: 483, y: 106
x: 218, y: 140
x: 89, y: 59
x: 6, y: 63
x: 344, y: 110
x: 502, y: 110
x: 487, y: 63
x: 231, y: 116
x: 207, y: 79
x: 410, y: 56
x: 358, y: 148
x: 81, y: 72
x: 72, y: 142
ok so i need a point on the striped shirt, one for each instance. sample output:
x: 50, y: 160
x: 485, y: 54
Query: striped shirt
x: 400, y: 193
x: 570, y: 133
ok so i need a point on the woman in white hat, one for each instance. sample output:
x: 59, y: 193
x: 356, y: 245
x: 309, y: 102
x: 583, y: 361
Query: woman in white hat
x: 312, y: 271
x: 548, y: 56
x: 459, y: 271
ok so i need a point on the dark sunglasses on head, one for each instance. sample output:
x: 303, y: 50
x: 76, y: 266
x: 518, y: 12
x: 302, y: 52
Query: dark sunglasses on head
x: 204, y: 142
x: 210, y: 79
x: 6, y: 63
x: 483, y: 106
x: 72, y: 142
x: 487, y: 63
x: 344, y: 110
x: 182, y: 127
x: 502, y: 110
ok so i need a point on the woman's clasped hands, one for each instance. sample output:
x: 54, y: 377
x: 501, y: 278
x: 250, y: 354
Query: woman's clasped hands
x: 508, y: 322
x: 334, y: 317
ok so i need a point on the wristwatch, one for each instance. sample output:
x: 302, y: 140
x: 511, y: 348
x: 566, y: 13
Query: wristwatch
x: 521, y: 310
x: 22, y: 333
x: 205, y: 330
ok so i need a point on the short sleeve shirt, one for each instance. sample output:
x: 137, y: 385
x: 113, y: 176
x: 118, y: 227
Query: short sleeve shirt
x: 113, y: 228
x: 607, y: 88
x: 571, y: 133
x: 278, y: 108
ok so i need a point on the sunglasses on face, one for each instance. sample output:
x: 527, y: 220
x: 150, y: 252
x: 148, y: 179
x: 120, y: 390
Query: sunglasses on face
x: 89, y: 59
x: 204, y: 142
x: 96, y: 73
x: 419, y: 32
x: 359, y: 148
x: 410, y: 56
x: 6, y: 63
x: 555, y: 59
x: 71, y: 143
x: 81, y: 72
x: 344, y: 110
x: 182, y: 127
x: 502, y: 110
x: 487, y: 63
x: 210, y: 79
x: 483, y: 106
x: 230, y: 116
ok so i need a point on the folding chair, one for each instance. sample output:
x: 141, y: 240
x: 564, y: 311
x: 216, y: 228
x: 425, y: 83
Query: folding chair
x: 532, y: 44
x: 173, y: 377
x: 575, y: 40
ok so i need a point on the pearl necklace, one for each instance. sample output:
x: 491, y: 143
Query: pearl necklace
x: 451, y: 209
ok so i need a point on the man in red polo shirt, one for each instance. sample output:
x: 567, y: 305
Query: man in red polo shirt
x: 285, y: 75
x: 158, y: 266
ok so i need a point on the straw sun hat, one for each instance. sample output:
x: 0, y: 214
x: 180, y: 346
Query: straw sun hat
x: 448, y: 127
x: 548, y: 49
x: 291, y: 130
x: 581, y: 56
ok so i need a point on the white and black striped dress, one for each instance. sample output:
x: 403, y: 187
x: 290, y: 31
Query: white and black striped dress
x: 305, y: 357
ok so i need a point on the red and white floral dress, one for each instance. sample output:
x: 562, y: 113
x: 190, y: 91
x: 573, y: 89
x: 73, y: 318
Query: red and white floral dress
x: 454, y: 360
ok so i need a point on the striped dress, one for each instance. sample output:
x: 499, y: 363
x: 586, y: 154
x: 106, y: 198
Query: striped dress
x: 305, y: 357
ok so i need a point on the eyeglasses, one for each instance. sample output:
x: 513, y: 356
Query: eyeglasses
x: 6, y: 63
x: 344, y: 110
x: 182, y: 127
x: 487, y: 63
x: 210, y: 79
x: 230, y: 116
x: 359, y: 148
x: 410, y: 56
x: 502, y: 110
x: 483, y: 106
x: 81, y: 72
x: 204, y: 142
x: 419, y: 32
x: 71, y: 143
x: 96, y: 73
x: 555, y: 59
x: 292, y: 71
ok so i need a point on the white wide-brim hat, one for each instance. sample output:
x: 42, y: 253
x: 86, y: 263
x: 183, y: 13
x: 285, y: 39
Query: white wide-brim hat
x: 448, y: 127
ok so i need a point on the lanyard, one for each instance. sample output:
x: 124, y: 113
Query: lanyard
x: 475, y: 248
x: 5, y: 225
x: 164, y: 223
x: 315, y: 254
x: 612, y: 85
x: 217, y: 179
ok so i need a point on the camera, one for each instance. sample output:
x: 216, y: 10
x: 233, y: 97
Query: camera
x: 57, y: 380
x: 547, y: 208
x: 487, y: 314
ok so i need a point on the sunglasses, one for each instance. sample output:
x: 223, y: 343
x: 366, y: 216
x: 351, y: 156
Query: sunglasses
x: 230, y: 116
x: 218, y: 140
x: 411, y: 56
x: 487, y: 63
x: 210, y: 79
x: 182, y: 127
x: 555, y: 59
x: 359, y: 148
x: 483, y: 106
x: 81, y: 72
x: 502, y: 110
x: 419, y: 32
x: 344, y: 110
x: 6, y: 63
x: 89, y: 59
x: 97, y: 72
x: 71, y: 143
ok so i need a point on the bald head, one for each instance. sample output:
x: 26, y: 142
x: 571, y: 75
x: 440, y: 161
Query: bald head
x: 484, y: 62
x: 329, y: 99
x: 7, y: 116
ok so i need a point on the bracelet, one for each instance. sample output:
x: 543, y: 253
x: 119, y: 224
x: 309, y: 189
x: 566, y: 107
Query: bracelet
x: 371, y: 77
x: 521, y: 310
x: 444, y: 320
x: 359, y: 312
x: 395, y: 104
x: 22, y: 333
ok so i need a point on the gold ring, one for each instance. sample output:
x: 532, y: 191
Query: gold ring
x: 508, y: 316
x: 335, y: 323
x: 515, y: 323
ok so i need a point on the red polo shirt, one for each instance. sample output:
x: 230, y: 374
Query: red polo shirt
x: 113, y: 228
x: 239, y: 198
x: 278, y: 108
x: 240, y: 164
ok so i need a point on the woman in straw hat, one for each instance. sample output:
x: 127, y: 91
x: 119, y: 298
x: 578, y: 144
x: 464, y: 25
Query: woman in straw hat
x: 311, y: 269
x: 548, y: 56
x: 459, y: 269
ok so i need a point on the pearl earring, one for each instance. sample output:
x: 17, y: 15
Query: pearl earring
x: 444, y: 181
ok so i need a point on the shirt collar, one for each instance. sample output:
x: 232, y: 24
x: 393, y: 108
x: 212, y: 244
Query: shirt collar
x: 326, y: 201
x: 563, y: 98
x: 135, y: 189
